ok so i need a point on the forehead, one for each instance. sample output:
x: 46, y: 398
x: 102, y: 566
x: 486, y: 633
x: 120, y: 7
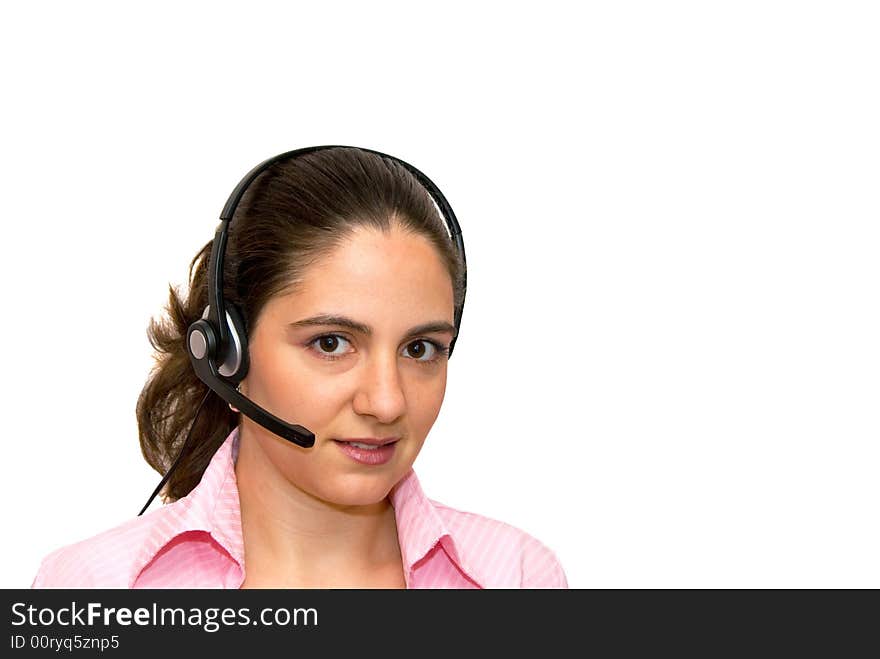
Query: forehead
x: 373, y: 275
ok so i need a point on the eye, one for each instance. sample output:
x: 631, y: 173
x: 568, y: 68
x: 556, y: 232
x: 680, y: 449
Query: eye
x: 434, y: 351
x: 327, y: 346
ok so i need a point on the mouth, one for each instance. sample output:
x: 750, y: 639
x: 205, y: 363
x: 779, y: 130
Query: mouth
x: 368, y: 443
x: 368, y: 451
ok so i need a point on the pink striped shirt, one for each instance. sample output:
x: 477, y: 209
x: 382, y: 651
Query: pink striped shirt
x: 196, y: 542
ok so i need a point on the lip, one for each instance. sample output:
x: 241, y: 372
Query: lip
x: 368, y: 456
x: 369, y: 440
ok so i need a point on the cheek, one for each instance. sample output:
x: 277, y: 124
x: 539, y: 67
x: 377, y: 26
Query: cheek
x: 311, y: 401
x: 291, y: 385
x: 426, y: 398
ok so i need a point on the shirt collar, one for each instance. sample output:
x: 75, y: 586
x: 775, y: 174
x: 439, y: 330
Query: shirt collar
x: 213, y: 506
x: 420, y: 527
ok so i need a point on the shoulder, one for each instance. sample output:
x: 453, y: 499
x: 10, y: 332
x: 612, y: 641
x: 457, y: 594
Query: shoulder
x: 504, y: 555
x: 105, y: 560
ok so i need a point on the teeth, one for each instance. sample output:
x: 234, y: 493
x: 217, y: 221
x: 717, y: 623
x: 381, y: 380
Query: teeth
x: 366, y: 446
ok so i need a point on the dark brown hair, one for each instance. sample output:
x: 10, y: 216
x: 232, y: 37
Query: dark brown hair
x: 292, y: 215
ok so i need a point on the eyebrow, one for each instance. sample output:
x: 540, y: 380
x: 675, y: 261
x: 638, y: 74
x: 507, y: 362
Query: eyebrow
x: 344, y: 321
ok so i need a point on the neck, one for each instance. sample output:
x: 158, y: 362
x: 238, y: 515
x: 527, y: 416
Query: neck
x: 292, y: 537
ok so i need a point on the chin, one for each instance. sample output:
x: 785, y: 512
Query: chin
x: 360, y: 491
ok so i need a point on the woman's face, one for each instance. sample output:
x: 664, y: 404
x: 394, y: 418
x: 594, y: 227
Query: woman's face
x: 384, y: 379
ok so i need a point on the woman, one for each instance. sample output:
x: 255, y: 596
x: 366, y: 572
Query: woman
x: 349, y: 291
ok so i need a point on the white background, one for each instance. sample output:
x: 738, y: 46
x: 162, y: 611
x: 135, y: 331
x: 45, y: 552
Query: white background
x: 669, y: 364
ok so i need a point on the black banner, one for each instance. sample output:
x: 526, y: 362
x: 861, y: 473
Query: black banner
x: 563, y: 622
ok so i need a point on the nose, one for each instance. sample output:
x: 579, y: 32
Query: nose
x: 380, y: 392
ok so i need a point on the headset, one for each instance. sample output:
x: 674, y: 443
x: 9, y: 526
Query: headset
x: 217, y: 342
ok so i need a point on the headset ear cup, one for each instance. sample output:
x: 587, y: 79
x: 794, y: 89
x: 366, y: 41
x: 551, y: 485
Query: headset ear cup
x: 201, y: 340
x: 239, y: 347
